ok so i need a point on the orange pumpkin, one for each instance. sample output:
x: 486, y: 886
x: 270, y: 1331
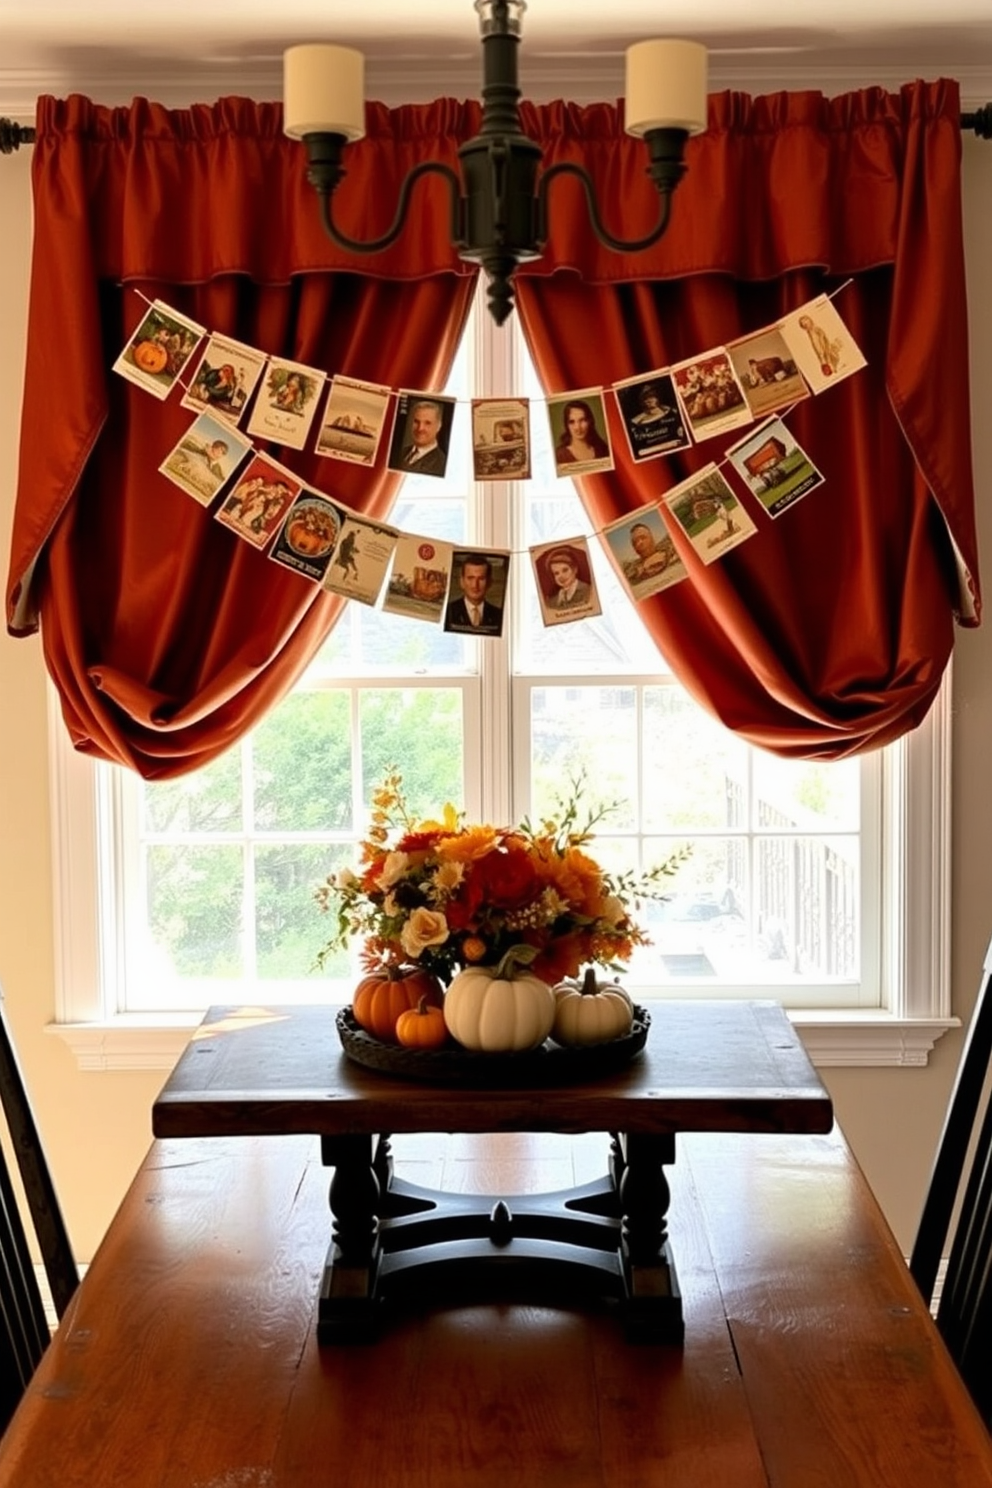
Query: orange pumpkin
x: 422, y: 1027
x: 150, y: 356
x: 383, y: 995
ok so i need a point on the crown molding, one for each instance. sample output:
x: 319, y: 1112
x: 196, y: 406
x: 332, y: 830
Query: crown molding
x: 583, y: 79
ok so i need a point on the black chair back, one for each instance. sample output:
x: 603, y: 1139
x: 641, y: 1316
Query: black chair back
x: 964, y: 1311
x: 24, y: 1330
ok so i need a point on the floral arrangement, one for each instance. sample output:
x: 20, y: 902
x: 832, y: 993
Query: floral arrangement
x: 443, y: 895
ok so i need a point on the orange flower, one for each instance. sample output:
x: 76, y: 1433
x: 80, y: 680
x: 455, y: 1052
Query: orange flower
x: 469, y: 844
x: 473, y: 949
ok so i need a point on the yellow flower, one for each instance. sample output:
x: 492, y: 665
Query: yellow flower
x: 447, y: 877
x: 471, y: 843
x: 451, y: 818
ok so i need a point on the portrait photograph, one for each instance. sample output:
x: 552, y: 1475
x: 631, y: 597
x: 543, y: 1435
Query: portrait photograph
x: 643, y: 553
x: 286, y: 403
x: 579, y: 434
x: 477, y: 593
x: 708, y: 512
x: 353, y: 420
x: 652, y: 419
x: 566, y: 584
x: 159, y: 350
x: 205, y: 458
x: 501, y: 438
x: 224, y: 378
x: 421, y: 434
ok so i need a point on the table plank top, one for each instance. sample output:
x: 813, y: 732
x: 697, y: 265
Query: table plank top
x: 708, y: 1066
x: 188, y: 1356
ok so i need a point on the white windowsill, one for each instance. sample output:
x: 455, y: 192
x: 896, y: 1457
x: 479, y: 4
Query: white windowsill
x: 832, y: 1039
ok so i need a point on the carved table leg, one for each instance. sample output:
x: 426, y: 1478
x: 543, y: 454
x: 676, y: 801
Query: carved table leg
x: 654, y: 1303
x: 346, y: 1309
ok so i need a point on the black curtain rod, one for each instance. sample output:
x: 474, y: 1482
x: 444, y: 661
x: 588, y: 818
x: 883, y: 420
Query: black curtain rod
x: 13, y: 136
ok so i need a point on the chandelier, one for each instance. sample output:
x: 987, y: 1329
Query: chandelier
x: 499, y: 203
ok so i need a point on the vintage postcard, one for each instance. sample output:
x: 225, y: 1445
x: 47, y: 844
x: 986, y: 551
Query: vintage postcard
x: 159, y: 349
x: 225, y: 378
x: 774, y: 467
x: 259, y: 500
x: 353, y: 420
x: 306, y: 540
x: 286, y: 403
x: 652, y: 419
x: 361, y: 557
x: 477, y: 596
x: 579, y: 433
x: 710, y: 394
x: 205, y: 458
x: 421, y: 433
x: 643, y: 553
x: 566, y: 585
x: 767, y: 372
x: 501, y: 438
x: 418, y: 580
x: 708, y: 512
x: 823, y: 347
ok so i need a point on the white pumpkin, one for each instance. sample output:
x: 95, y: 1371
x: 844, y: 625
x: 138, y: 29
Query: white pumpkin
x: 591, y: 1012
x: 499, y: 1010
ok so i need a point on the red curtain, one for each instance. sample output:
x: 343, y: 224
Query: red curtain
x: 827, y: 632
x: 167, y: 636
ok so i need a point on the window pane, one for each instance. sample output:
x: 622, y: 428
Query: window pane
x: 695, y: 770
x: 289, y: 928
x: 590, y: 732
x: 419, y: 731
x: 195, y: 896
x: 207, y: 801
x: 301, y: 757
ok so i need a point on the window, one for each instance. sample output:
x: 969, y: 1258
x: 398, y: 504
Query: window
x: 801, y: 877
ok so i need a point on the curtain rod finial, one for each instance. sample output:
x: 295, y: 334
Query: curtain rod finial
x: 980, y: 121
x: 13, y: 135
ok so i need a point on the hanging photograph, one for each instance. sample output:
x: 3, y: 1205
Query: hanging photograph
x: 767, y: 371
x: 774, y: 467
x: 643, y: 553
x: 159, y: 350
x: 821, y: 344
x: 709, y: 513
x: 205, y: 458
x: 566, y: 585
x: 353, y: 420
x: 418, y: 580
x: 652, y: 419
x: 477, y: 595
x: 579, y: 433
x: 307, y: 537
x: 225, y: 378
x: 286, y: 403
x: 259, y: 500
x: 710, y: 395
x: 501, y: 438
x: 421, y: 434
x: 361, y: 558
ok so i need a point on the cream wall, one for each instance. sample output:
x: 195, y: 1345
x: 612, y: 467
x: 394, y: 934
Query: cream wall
x: 96, y: 1125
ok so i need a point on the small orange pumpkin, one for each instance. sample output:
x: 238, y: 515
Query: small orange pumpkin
x: 383, y: 995
x: 422, y: 1027
x: 150, y: 356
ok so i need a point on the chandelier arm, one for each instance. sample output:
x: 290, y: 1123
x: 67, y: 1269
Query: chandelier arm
x: 618, y: 245
x: 325, y: 191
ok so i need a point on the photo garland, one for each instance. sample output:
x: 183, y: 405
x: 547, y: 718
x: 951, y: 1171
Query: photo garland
x: 753, y: 382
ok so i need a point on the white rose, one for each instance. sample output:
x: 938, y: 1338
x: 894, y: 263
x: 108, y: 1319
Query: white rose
x: 613, y: 910
x: 345, y: 879
x: 393, y: 869
x: 425, y: 927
